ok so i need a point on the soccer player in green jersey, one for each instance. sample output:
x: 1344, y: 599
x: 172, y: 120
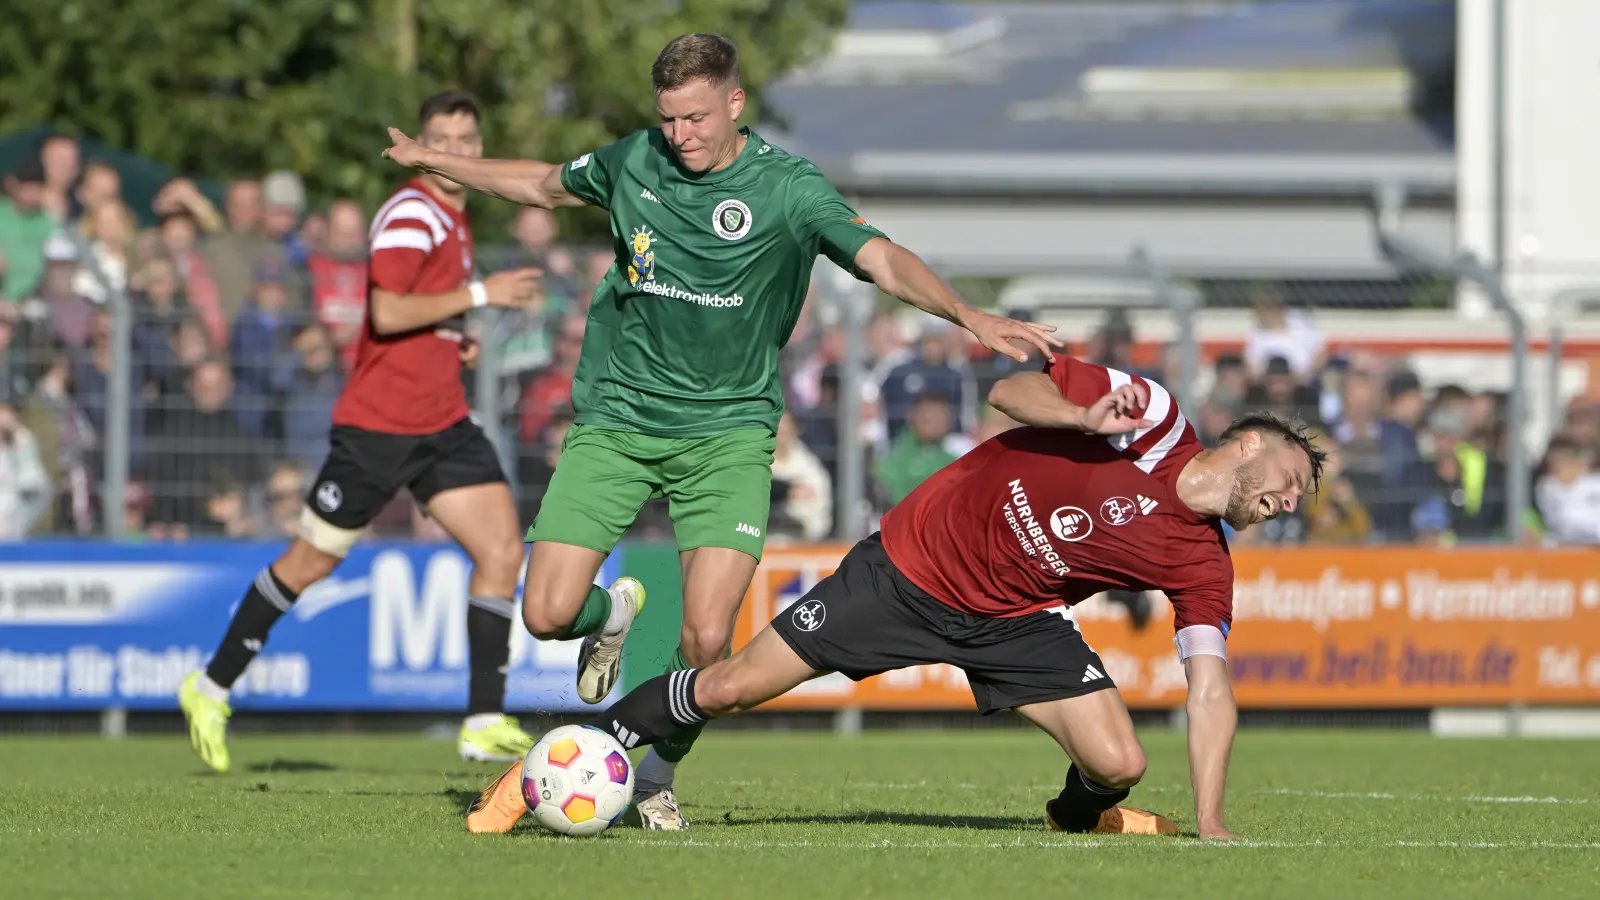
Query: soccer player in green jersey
x: 677, y: 392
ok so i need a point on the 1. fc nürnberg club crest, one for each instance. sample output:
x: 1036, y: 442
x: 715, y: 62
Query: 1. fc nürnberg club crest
x: 731, y: 220
x: 1117, y: 511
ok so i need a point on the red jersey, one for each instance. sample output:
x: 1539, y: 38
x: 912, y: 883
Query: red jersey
x: 1040, y: 517
x: 339, y: 301
x: 411, y: 383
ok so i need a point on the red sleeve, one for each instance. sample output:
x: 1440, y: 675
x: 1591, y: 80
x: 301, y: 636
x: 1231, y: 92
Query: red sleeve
x: 1208, y: 598
x: 1081, y: 382
x: 398, y: 251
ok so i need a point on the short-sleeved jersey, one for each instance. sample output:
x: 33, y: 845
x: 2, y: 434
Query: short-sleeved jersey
x: 1039, y: 517
x: 711, y: 273
x: 411, y: 383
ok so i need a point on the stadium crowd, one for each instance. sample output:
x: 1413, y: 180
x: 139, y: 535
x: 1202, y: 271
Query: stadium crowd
x: 246, y: 317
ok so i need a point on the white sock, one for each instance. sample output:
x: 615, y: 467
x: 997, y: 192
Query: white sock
x: 209, y: 688
x: 653, y: 773
x: 480, y: 720
x: 620, y: 618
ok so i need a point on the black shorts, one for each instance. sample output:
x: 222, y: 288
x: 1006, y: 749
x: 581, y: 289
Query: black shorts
x: 867, y: 618
x: 365, y: 469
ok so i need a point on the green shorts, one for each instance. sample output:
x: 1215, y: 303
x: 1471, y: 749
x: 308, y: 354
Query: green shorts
x: 718, y: 488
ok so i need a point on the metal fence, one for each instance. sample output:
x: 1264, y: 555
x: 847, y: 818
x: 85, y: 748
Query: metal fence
x: 1439, y: 420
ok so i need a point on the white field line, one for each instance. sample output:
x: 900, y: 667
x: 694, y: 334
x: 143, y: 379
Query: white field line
x: 1279, y: 792
x: 1068, y: 846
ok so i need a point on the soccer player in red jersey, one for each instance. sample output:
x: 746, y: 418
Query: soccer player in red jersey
x: 980, y: 566
x: 403, y: 422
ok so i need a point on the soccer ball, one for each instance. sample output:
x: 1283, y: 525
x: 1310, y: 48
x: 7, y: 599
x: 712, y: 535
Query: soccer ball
x: 577, y: 781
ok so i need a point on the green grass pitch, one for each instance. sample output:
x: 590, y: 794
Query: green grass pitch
x: 921, y: 814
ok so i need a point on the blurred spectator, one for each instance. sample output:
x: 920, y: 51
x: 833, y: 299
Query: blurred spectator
x: 1281, y: 394
x: 109, y: 229
x: 189, y: 347
x: 551, y: 387
x: 919, y: 451
x: 91, y: 375
x: 285, y: 497
x: 1568, y: 492
x: 1470, y: 481
x: 930, y: 372
x: 24, y: 483
x: 158, y: 307
x: 596, y: 266
x: 101, y: 184
x: 135, y: 509
x: 25, y: 226
x: 227, y: 510
x: 283, y: 201
x: 339, y: 278
x: 180, y: 241
x: 536, y: 231
x: 1113, y: 346
x: 314, y: 233
x: 1232, y: 380
x: 198, y: 438
x: 1359, y: 434
x: 1217, y: 412
x: 309, y: 381
x: 1334, y: 513
x: 993, y: 423
x: 1282, y: 332
x: 180, y: 197
x: 233, y: 255
x: 263, y: 333
x: 61, y: 159
x: 802, y: 493
x: 67, y: 444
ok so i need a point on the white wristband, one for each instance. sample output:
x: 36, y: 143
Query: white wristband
x: 480, y: 294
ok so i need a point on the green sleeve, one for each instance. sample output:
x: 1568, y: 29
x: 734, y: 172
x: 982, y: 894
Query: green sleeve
x: 824, y: 223
x: 590, y: 176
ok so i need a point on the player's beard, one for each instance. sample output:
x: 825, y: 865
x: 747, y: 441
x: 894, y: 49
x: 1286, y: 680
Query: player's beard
x: 1241, y: 511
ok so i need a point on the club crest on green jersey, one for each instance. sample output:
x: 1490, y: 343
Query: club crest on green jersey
x: 642, y: 266
x: 731, y: 220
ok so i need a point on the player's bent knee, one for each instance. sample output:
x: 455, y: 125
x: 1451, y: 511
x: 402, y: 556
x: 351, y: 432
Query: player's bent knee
x: 704, y: 645
x: 1122, y: 769
x: 330, y: 539
x: 501, y: 561
x: 542, y: 621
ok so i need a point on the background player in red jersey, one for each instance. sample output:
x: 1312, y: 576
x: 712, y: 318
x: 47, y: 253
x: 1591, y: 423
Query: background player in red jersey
x: 980, y: 566
x: 403, y: 422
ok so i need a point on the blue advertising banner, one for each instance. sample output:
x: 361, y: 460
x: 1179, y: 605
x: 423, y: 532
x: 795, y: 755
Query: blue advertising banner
x: 88, y: 625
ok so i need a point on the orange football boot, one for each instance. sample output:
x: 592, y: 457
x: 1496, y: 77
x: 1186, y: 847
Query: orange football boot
x: 1123, y: 820
x: 499, y: 807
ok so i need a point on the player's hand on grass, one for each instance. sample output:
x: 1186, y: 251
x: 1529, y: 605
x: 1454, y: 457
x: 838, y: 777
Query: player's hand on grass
x: 515, y: 289
x: 1005, y: 336
x: 405, y: 151
x: 1118, y: 411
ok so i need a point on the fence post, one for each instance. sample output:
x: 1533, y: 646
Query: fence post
x: 1553, y: 411
x: 1389, y: 203
x: 1182, y: 305
x: 486, y: 392
x: 117, y: 441
x: 850, y: 493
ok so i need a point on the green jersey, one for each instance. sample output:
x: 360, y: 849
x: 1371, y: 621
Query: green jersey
x: 712, y: 271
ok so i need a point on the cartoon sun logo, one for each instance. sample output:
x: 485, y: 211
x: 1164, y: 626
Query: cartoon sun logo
x: 642, y: 267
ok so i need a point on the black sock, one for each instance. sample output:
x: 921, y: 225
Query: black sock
x: 263, y: 604
x: 1081, y: 801
x: 654, y: 710
x: 489, y: 642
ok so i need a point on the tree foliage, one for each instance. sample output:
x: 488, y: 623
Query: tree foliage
x: 222, y: 88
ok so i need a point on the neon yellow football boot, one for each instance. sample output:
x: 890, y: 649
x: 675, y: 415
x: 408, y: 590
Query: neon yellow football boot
x: 501, y: 740
x: 208, y: 723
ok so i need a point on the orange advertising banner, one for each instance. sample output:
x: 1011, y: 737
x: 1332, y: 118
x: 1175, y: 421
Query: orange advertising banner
x: 1323, y: 627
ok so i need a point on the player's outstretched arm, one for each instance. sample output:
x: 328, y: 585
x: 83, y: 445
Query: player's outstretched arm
x: 525, y: 181
x: 902, y: 274
x: 1032, y: 398
x: 396, y: 313
x: 1212, y: 720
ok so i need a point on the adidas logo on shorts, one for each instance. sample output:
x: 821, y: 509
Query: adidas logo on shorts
x: 1092, y: 674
